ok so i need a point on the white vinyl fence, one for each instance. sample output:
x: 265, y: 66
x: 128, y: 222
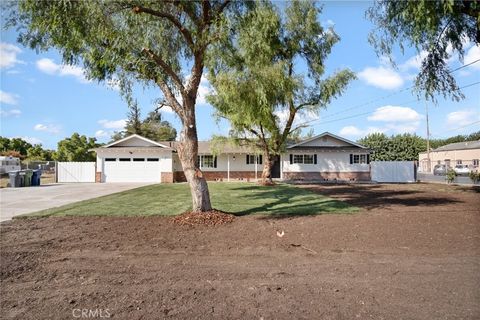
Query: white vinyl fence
x: 393, y: 171
x: 76, y: 172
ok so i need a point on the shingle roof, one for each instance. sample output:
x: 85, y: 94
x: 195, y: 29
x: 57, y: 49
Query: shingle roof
x: 206, y: 147
x: 459, y: 146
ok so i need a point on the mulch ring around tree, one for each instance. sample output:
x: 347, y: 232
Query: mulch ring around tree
x: 209, y: 218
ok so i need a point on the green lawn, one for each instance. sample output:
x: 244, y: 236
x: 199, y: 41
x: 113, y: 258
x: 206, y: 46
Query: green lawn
x: 238, y: 198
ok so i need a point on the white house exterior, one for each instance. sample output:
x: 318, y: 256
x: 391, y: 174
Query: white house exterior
x: 324, y: 157
x: 134, y: 159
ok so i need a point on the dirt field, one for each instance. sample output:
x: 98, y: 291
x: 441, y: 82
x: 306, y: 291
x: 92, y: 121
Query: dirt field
x: 412, y: 253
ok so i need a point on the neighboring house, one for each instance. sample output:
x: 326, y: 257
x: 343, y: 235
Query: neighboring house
x: 324, y: 157
x: 8, y: 163
x: 467, y: 153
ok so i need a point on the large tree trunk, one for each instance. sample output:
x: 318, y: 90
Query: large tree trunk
x: 188, y: 152
x: 267, y: 168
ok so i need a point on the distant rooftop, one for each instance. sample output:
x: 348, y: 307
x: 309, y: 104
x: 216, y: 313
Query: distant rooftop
x: 459, y: 146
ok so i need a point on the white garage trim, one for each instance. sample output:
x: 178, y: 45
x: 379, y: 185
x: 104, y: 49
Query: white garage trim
x: 132, y: 170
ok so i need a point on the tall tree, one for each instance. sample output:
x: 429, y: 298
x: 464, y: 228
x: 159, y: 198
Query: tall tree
x: 156, y: 43
x: 76, y: 148
x: 272, y: 70
x: 400, y: 147
x: 436, y: 28
x: 152, y: 127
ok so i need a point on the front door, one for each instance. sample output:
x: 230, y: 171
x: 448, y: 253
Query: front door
x: 276, y: 167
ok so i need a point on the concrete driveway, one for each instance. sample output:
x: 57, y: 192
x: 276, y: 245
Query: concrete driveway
x: 18, y: 201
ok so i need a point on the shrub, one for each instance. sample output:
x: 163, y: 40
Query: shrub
x: 474, y: 176
x: 450, y: 175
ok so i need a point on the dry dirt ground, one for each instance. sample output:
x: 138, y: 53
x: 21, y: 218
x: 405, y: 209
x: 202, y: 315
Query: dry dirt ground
x: 412, y: 252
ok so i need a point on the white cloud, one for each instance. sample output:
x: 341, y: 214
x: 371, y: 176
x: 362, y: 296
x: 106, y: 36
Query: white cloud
x: 462, y: 117
x: 46, y: 128
x: 11, y: 112
x: 48, y: 66
x: 381, y: 77
x: 473, y: 54
x: 8, y: 55
x: 414, y: 62
x: 354, y: 132
x: 113, y: 84
x: 102, y: 134
x: 113, y: 124
x: 301, y: 118
x: 8, y: 98
x: 395, y: 114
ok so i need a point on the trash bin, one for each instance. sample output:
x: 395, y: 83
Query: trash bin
x: 28, y: 177
x: 21, y: 176
x: 14, y: 179
x: 36, y: 177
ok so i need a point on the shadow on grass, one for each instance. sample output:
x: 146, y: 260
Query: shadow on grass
x: 381, y: 197
x: 283, y: 201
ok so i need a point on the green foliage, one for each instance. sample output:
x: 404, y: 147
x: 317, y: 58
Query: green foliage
x: 152, y: 127
x: 474, y: 176
x: 450, y: 176
x: 76, y: 148
x: 406, y: 147
x: 438, y: 29
x: 38, y: 153
x: 402, y: 147
x: 435, y: 143
x: 14, y: 144
x: 19, y: 148
x: 258, y: 84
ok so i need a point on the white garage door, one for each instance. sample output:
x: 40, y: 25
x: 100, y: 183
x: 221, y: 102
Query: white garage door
x: 132, y: 170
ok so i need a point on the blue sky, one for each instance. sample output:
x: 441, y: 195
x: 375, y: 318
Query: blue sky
x: 43, y: 101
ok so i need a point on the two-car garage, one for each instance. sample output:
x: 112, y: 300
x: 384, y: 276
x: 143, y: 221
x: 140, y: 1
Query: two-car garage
x: 132, y: 170
x: 133, y: 159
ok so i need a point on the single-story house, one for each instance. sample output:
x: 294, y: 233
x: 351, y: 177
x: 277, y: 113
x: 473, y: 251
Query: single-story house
x: 323, y: 157
x: 467, y: 153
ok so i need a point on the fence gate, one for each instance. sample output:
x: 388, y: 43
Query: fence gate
x: 393, y: 171
x: 76, y: 172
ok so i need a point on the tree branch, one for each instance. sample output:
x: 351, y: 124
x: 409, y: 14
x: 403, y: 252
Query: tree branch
x: 184, y: 31
x: 165, y: 67
x: 291, y: 117
x: 172, y: 100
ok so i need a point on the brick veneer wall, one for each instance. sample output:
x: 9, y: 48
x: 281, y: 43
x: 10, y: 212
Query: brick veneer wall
x: 98, y: 177
x: 331, y: 176
x: 179, y: 176
x: 166, y: 177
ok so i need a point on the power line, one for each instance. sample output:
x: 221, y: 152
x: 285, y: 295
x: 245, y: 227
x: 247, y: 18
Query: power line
x: 389, y: 95
x: 455, y: 129
x: 465, y: 65
x: 319, y: 121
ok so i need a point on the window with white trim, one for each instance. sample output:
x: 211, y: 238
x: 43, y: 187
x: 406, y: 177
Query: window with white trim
x: 308, y: 158
x: 359, y: 159
x: 298, y: 158
x: 475, y: 162
x: 303, y: 158
x: 251, y: 159
x: 207, y: 161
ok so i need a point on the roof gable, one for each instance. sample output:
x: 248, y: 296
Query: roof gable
x: 326, y: 139
x: 133, y: 141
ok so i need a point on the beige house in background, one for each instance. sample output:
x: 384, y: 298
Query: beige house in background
x: 467, y: 153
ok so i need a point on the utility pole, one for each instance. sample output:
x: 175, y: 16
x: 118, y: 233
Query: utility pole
x: 429, y: 167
